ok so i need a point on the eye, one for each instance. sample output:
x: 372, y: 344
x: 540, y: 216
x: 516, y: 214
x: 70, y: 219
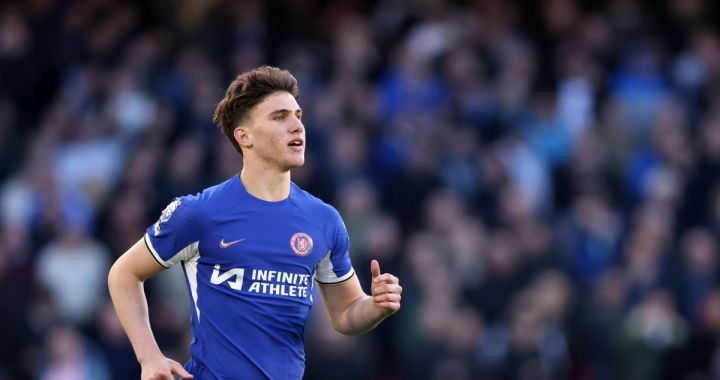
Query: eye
x: 279, y: 117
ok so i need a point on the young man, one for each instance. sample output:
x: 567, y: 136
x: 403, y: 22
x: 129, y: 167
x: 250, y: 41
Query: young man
x: 251, y: 249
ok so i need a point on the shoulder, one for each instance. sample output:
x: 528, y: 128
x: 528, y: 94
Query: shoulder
x: 214, y: 194
x: 315, y: 207
x: 220, y: 192
x: 207, y: 200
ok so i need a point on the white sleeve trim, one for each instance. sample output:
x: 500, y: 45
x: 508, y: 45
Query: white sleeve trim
x: 185, y: 254
x: 325, y: 274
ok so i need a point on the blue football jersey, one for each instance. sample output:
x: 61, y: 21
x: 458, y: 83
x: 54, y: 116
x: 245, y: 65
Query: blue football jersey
x: 249, y: 266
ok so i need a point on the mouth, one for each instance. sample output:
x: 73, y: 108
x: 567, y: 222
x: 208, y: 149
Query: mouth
x: 297, y: 144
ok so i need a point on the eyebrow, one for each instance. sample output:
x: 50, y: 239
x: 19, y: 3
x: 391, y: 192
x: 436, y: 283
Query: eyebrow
x: 283, y: 111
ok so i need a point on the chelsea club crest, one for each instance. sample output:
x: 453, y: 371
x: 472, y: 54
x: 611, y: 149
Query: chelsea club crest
x: 301, y: 243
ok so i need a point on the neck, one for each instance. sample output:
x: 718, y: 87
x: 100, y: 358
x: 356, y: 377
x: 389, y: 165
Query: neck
x: 265, y: 183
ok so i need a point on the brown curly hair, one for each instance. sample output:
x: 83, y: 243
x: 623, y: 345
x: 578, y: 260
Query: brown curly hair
x: 246, y: 91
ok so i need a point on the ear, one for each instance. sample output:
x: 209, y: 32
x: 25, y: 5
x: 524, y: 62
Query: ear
x: 243, y: 136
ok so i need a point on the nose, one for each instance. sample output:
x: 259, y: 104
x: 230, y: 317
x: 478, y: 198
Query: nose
x: 297, y: 125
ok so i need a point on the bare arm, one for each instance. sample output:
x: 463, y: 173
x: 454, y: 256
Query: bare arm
x: 353, y: 312
x: 125, y: 282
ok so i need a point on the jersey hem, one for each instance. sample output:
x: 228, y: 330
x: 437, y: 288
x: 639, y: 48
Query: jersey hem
x: 340, y: 280
x: 153, y: 252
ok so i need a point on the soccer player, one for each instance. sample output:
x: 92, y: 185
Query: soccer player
x: 252, y: 249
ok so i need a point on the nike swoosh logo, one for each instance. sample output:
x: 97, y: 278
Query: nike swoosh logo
x: 223, y: 244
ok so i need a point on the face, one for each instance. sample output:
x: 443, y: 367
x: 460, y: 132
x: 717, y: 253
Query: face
x: 274, y: 133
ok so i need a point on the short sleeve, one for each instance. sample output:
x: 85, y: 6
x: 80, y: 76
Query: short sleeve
x: 175, y: 236
x: 336, y: 266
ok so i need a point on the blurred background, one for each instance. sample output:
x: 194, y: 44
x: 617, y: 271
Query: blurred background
x: 542, y: 175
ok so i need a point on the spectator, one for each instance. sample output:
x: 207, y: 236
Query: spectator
x: 72, y: 269
x: 70, y: 356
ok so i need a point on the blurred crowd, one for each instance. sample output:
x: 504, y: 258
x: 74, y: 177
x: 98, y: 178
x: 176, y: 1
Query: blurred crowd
x: 543, y: 176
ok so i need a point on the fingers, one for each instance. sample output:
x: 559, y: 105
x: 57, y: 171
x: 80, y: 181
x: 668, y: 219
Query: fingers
x: 159, y: 376
x: 378, y: 289
x: 387, y: 297
x: 161, y: 368
x: 386, y: 290
x: 385, y: 278
x: 391, y: 307
x: 179, y: 370
x: 375, y: 269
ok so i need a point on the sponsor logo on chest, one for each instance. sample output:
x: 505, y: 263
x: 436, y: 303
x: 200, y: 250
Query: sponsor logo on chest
x: 262, y: 281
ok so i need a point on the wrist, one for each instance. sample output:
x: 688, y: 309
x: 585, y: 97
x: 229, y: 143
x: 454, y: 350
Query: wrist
x: 149, y: 356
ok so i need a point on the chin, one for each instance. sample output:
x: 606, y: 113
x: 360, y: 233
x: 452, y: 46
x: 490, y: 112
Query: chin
x: 294, y: 164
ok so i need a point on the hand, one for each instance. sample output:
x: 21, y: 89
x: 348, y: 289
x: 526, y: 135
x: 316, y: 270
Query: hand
x: 162, y: 368
x: 385, y: 290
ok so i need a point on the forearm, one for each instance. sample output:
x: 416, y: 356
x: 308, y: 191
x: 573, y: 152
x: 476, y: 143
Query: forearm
x: 128, y: 296
x: 353, y: 312
x: 360, y: 317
